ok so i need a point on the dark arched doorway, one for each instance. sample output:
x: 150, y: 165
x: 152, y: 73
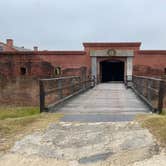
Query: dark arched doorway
x: 112, y: 71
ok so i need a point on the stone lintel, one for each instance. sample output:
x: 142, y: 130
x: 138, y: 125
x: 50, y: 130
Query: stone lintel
x: 112, y: 53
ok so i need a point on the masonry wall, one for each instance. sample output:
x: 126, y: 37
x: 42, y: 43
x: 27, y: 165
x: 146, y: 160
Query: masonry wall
x: 19, y: 92
x: 71, y: 65
x: 17, y: 89
x: 150, y: 63
x: 42, y: 64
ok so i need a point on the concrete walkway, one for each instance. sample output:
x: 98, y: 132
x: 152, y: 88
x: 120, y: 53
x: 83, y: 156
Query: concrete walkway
x: 107, y: 102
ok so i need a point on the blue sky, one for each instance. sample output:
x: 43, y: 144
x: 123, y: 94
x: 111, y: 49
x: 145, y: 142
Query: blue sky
x: 65, y: 24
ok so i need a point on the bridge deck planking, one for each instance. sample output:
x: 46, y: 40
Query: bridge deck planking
x: 107, y: 102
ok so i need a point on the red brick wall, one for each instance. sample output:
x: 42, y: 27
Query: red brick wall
x: 68, y: 62
x: 150, y: 63
x: 42, y: 64
x: 24, y: 90
x: 19, y: 92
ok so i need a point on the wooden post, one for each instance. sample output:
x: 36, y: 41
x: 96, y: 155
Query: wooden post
x: 149, y: 86
x: 42, y: 96
x: 60, y: 93
x: 83, y: 83
x: 71, y: 86
x: 80, y: 84
x: 146, y: 88
x: 86, y: 83
x: 161, y: 96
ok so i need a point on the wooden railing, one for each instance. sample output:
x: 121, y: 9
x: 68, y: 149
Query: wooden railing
x: 56, y: 90
x: 152, y: 91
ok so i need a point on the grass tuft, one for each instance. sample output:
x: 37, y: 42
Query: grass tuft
x: 156, y: 124
x: 15, y: 122
x: 163, y: 112
x: 15, y: 112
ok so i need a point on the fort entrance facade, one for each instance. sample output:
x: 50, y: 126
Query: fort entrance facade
x: 112, y: 65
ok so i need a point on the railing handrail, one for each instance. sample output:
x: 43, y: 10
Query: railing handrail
x: 80, y: 85
x: 146, y: 87
x: 149, y: 78
x: 58, y: 78
x: 52, y: 90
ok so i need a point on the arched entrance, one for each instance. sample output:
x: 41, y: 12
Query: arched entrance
x: 112, y: 71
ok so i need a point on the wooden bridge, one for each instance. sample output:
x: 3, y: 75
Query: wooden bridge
x: 105, y: 102
x: 84, y: 101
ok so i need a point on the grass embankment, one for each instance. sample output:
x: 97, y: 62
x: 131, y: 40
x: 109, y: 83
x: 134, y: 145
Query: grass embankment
x: 15, y: 122
x: 156, y: 125
x: 16, y: 112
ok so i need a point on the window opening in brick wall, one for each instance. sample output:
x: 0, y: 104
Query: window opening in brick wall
x: 164, y: 71
x: 57, y: 71
x: 23, y: 71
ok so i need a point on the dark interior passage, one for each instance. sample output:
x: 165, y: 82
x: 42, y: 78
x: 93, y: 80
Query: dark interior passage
x: 112, y: 71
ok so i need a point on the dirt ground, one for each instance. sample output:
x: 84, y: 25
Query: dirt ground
x: 21, y: 160
x: 14, y: 129
x: 90, y: 144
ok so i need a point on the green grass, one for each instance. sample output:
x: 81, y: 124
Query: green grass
x: 163, y: 112
x: 14, y: 125
x: 16, y: 112
x: 16, y: 122
x: 156, y: 124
